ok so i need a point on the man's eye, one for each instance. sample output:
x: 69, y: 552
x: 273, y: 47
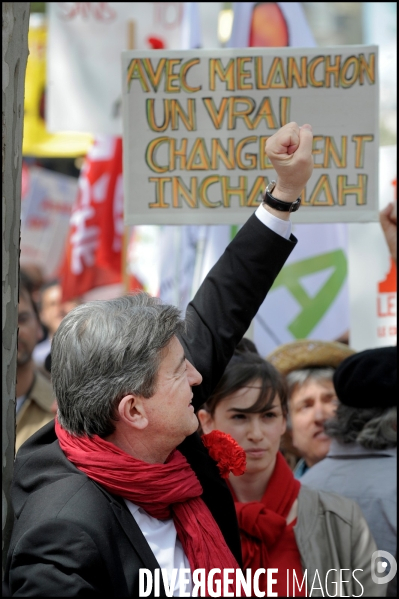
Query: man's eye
x: 269, y: 415
x: 238, y: 417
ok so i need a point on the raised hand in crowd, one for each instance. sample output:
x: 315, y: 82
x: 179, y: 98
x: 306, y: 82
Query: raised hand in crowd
x: 290, y: 152
x: 388, y: 220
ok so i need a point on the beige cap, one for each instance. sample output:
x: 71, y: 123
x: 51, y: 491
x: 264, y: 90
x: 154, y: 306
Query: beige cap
x: 308, y: 353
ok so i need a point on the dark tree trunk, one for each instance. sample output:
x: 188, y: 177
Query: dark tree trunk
x: 15, y: 55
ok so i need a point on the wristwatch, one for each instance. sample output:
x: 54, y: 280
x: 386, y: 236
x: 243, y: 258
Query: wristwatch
x: 279, y: 204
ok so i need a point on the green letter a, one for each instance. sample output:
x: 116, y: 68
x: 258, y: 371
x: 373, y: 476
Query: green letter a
x: 313, y: 308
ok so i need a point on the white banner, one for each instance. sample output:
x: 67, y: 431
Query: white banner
x: 309, y: 298
x: 372, y: 273
x: 45, y: 212
x: 196, y: 122
x: 144, y: 257
x: 85, y: 40
x: 179, y: 249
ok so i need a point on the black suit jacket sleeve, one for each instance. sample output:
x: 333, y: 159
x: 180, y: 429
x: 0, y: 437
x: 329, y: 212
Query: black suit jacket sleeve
x: 71, y: 568
x: 228, y: 299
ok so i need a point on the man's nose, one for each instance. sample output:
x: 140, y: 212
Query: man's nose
x: 194, y: 377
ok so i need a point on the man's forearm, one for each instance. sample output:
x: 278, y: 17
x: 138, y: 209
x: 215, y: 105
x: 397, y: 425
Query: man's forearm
x: 235, y: 288
x: 228, y: 299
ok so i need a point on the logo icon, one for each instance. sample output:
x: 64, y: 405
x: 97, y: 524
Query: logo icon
x: 383, y: 567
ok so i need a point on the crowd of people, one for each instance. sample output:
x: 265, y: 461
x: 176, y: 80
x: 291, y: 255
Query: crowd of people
x: 40, y: 311
x: 283, y: 524
x: 118, y: 469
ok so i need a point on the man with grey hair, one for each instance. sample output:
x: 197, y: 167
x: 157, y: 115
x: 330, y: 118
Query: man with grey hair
x: 123, y: 484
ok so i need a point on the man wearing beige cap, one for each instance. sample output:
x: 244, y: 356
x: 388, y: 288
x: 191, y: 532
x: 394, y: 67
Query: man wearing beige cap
x: 309, y: 367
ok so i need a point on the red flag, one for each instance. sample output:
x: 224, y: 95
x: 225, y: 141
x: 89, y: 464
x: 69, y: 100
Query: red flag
x: 94, y: 247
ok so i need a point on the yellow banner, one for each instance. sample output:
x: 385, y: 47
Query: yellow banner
x: 37, y: 141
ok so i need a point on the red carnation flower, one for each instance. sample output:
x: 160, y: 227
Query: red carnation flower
x: 230, y: 457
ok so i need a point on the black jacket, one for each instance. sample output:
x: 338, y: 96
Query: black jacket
x: 71, y: 538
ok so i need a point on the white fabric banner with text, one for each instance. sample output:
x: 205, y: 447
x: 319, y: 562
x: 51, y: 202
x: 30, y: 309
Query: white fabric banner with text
x: 85, y: 41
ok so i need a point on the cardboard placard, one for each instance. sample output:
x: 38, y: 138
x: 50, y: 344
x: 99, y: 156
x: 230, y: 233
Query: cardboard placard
x: 195, y: 124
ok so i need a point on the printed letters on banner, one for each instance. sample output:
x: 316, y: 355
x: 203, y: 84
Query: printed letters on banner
x: 93, y: 251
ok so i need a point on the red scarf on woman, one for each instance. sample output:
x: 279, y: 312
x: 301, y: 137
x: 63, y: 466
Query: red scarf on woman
x: 162, y: 490
x: 262, y: 523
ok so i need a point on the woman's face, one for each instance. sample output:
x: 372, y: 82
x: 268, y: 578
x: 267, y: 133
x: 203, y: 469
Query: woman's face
x: 258, y: 434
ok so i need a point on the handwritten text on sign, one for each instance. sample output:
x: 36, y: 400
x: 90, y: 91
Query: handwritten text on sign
x: 196, y: 124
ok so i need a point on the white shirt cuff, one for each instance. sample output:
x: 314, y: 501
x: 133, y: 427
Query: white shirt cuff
x: 278, y: 225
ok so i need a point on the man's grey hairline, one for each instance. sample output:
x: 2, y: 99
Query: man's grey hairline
x: 302, y: 376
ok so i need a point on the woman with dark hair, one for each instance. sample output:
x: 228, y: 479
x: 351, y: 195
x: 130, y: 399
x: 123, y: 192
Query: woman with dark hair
x: 309, y: 536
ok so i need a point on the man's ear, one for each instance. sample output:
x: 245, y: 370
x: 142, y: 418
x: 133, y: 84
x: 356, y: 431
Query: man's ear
x: 131, y: 411
x: 206, y: 421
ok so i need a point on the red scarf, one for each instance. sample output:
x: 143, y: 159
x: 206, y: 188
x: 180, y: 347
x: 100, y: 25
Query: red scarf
x: 262, y: 523
x: 162, y: 490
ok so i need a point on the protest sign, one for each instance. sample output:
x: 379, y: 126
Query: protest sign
x: 47, y: 199
x: 93, y: 249
x: 372, y: 272
x: 309, y: 298
x: 84, y: 46
x: 196, y: 123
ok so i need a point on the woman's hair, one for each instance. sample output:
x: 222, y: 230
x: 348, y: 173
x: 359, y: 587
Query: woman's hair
x: 242, y: 370
x: 373, y: 428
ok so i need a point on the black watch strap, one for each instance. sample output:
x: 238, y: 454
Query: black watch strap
x: 279, y: 204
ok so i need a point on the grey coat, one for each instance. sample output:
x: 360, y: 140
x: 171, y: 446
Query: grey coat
x: 331, y: 533
x: 367, y: 476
